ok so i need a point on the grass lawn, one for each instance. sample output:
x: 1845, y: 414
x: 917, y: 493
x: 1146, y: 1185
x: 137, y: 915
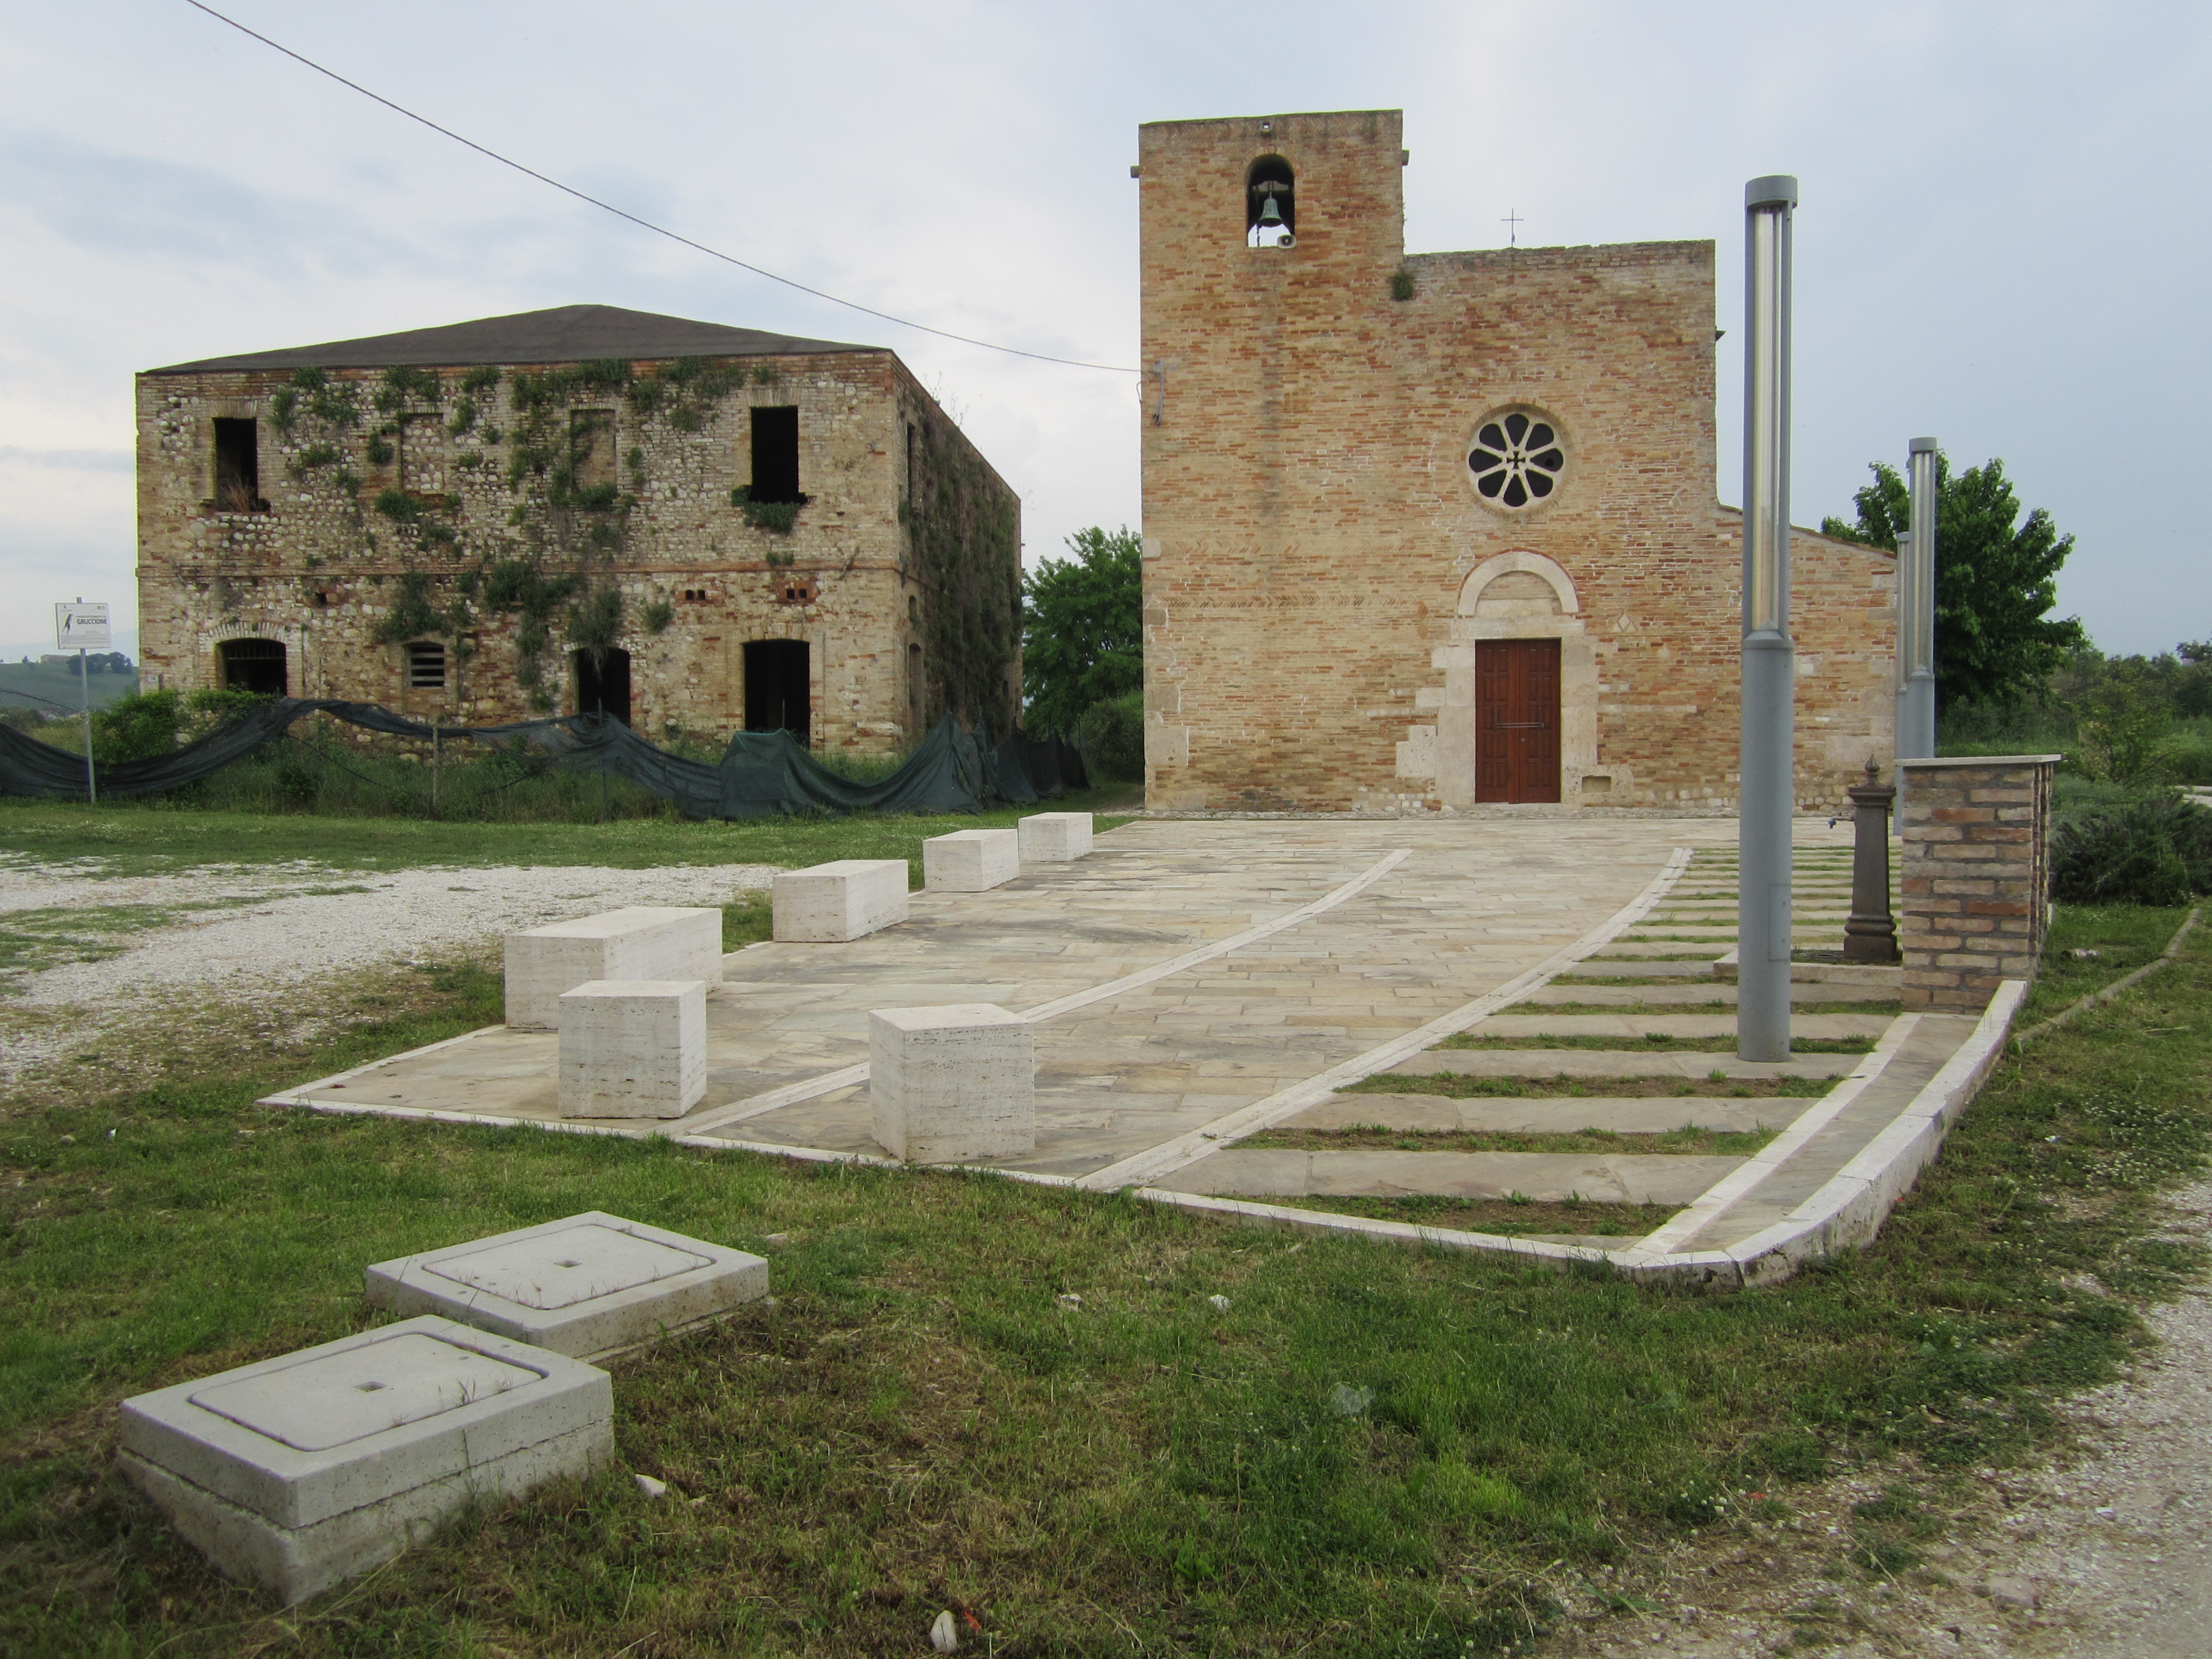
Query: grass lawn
x: 1371, y: 1451
x: 153, y: 840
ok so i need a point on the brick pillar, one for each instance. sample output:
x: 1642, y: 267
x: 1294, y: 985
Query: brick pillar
x: 1976, y: 875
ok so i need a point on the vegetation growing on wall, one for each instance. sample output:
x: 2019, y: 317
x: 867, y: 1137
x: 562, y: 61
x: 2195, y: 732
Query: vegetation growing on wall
x: 964, y: 528
x: 550, y: 564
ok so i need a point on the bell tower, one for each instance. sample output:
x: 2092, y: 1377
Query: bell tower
x: 1267, y: 246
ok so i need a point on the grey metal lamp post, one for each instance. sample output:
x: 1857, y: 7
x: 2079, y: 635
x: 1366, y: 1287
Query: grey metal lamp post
x: 1768, y: 783
x: 1916, y: 613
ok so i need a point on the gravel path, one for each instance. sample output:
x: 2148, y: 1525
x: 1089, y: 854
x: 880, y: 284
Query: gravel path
x: 271, y: 929
x: 2105, y: 1553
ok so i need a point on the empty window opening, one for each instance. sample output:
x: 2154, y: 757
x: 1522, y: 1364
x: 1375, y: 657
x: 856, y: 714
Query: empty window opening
x: 426, y: 667
x: 592, y: 454
x: 913, y: 608
x: 1270, y: 209
x: 238, y: 465
x: 913, y: 462
x: 255, y: 666
x: 602, y: 683
x: 775, y: 454
x: 797, y: 590
x: 420, y: 454
x: 322, y: 600
x: 914, y: 679
x: 779, y: 696
x: 695, y: 595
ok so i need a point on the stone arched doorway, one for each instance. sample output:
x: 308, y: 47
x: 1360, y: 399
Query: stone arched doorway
x: 1517, y: 717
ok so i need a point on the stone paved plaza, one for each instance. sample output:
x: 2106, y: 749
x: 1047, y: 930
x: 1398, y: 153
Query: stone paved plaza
x: 1192, y: 982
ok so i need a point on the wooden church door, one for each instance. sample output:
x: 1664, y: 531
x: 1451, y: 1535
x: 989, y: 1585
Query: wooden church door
x: 1516, y: 720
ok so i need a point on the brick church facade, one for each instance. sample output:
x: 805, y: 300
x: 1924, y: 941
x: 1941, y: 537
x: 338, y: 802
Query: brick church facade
x: 693, y: 527
x: 1429, y: 531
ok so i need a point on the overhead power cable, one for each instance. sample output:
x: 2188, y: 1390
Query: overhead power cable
x: 645, y: 224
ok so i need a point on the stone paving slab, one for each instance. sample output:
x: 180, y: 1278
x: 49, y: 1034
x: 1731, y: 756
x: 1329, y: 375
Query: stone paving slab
x: 1602, y: 966
x: 1720, y: 993
x: 1622, y: 1114
x: 1608, y: 1177
x: 1827, y: 1027
x: 1613, y: 1062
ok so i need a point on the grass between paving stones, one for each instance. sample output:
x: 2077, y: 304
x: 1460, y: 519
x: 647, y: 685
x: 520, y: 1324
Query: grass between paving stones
x: 1655, y: 1042
x: 1373, y: 1451
x: 1460, y: 1086
x: 1691, y: 1140
x: 1507, y: 1218
x: 151, y: 840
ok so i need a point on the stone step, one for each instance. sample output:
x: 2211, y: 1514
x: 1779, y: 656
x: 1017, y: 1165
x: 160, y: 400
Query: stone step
x: 1873, y: 978
x: 1722, y: 934
x: 1676, y: 950
x: 1613, y: 1062
x: 1695, y: 990
x: 1552, y: 1115
x: 1600, y: 968
x: 1599, y: 1177
x: 1672, y: 1025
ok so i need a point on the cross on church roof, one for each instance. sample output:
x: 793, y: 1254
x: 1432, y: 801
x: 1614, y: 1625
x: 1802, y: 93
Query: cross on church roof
x: 1512, y: 221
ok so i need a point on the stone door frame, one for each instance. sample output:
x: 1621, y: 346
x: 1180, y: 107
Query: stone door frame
x: 1582, y: 782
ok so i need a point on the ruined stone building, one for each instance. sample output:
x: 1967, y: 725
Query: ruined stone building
x: 1428, y: 530
x: 693, y: 527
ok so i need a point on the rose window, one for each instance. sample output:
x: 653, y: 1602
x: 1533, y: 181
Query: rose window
x: 1516, y: 460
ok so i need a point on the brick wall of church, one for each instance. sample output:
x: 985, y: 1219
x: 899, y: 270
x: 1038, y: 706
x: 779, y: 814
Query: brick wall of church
x: 1320, y: 570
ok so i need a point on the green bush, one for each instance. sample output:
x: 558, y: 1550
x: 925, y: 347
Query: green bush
x: 1111, y: 735
x: 137, y: 726
x: 2154, y: 849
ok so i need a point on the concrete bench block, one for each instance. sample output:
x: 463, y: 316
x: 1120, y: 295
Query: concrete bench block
x: 633, y: 1047
x: 299, y: 1472
x: 836, y: 903
x: 643, y: 941
x: 971, y: 861
x: 1054, y: 838
x: 587, y: 1285
x: 952, y: 1085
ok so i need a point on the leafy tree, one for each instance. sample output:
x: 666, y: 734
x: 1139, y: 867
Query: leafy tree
x: 1995, y: 579
x: 1082, y: 640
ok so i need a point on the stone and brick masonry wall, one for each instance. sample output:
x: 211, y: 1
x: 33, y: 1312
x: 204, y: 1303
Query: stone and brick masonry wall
x: 318, y: 566
x: 1320, y: 570
x: 1976, y: 876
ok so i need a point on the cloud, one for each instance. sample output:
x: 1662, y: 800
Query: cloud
x: 75, y: 460
x: 108, y: 201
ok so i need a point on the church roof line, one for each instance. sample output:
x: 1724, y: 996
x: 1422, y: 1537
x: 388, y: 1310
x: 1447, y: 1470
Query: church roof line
x: 1573, y: 251
x: 560, y: 334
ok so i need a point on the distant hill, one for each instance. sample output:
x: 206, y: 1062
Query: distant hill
x: 53, y: 689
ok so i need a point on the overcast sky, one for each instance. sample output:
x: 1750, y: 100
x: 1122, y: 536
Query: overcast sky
x: 2002, y: 239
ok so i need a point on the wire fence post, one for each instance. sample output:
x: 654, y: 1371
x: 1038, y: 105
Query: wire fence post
x: 437, y: 755
x: 84, y: 684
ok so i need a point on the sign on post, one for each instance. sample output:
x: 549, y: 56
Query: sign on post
x: 81, y: 627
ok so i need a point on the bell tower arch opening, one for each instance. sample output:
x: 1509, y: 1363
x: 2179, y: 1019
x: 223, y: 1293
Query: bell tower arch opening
x: 1271, y: 203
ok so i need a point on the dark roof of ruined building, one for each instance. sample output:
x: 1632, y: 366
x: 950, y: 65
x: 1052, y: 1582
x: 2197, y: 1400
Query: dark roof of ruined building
x: 564, y: 334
